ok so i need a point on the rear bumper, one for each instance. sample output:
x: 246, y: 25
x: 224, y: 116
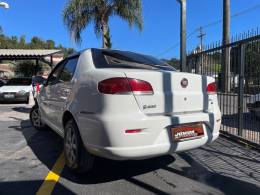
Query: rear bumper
x: 144, y: 152
x: 16, y: 98
x: 106, y: 136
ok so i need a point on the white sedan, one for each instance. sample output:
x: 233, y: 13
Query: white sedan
x: 16, y: 90
x: 123, y: 105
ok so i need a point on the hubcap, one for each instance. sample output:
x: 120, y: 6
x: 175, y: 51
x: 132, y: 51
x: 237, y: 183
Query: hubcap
x: 71, y: 146
x: 36, y: 119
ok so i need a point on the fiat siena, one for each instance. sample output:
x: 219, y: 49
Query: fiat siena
x: 123, y: 105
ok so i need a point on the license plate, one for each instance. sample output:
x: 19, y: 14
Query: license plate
x: 187, y: 132
x: 9, y: 96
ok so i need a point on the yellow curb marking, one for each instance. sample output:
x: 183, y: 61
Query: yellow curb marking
x: 53, y: 177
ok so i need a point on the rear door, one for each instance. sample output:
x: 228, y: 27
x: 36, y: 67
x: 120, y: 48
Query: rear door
x: 63, y: 89
x: 47, y: 95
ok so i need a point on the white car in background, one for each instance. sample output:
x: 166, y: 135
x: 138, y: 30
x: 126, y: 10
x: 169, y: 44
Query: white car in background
x: 123, y: 105
x: 16, y: 90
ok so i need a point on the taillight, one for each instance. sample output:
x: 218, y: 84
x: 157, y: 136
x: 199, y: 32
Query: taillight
x: 120, y: 85
x: 212, y: 88
x: 140, y: 87
x: 133, y: 131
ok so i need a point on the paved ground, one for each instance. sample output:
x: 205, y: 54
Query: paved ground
x: 27, y: 156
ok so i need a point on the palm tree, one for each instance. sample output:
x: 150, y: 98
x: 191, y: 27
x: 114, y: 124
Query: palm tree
x: 78, y: 14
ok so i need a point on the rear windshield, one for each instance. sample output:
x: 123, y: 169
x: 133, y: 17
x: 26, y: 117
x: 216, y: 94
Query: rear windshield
x: 124, y: 59
x: 19, y: 81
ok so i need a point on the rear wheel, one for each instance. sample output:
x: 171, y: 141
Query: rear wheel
x: 35, y: 118
x: 77, y: 157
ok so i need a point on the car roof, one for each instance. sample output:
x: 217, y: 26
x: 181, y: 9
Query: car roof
x: 100, y: 49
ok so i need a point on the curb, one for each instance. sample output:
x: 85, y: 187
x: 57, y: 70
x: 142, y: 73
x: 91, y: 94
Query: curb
x: 240, y: 140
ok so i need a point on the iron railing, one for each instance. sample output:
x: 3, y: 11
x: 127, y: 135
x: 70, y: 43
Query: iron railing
x: 238, y: 83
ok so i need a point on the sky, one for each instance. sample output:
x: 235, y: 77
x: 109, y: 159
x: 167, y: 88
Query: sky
x: 161, y: 31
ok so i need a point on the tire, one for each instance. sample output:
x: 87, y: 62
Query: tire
x: 35, y: 119
x: 76, y: 156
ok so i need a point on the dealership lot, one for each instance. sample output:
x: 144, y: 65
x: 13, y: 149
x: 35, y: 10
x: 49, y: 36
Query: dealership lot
x: 27, y: 156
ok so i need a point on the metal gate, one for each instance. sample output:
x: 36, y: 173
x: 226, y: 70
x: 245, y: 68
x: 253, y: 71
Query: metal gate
x: 238, y: 83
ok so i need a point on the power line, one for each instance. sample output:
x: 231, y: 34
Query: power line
x: 176, y: 44
x: 243, y: 12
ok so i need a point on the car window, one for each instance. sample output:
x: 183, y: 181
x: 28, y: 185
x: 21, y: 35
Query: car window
x: 1, y: 83
x: 53, y: 77
x: 125, y: 59
x: 69, y: 69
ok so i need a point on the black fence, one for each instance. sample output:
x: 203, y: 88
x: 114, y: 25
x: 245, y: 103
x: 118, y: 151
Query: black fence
x: 238, y: 80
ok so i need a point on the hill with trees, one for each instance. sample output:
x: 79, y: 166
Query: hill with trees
x: 27, y: 67
x: 14, y: 42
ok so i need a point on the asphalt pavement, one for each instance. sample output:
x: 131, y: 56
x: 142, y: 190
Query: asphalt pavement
x: 27, y: 156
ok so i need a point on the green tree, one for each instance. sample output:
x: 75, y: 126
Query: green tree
x: 174, y: 62
x: 25, y: 68
x: 108, y: 38
x: 78, y: 14
x: 50, y: 44
x: 14, y: 42
x: 37, y: 43
x: 22, y: 42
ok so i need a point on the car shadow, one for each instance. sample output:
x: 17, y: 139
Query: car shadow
x: 226, y: 184
x: 29, y: 187
x: 108, y: 170
x: 47, y: 146
x: 22, y: 109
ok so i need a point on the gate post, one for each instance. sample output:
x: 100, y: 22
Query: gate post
x: 241, y: 89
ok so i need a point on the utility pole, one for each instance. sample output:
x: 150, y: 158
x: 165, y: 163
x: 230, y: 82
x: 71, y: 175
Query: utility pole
x: 201, y: 60
x: 183, y: 35
x: 225, y: 70
x: 201, y: 36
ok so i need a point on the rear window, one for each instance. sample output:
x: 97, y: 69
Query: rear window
x: 69, y: 69
x: 19, y: 81
x: 124, y: 59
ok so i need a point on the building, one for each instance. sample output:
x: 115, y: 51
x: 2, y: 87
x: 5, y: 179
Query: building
x: 41, y: 56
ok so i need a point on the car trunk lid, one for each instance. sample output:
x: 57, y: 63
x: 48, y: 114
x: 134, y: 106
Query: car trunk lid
x: 170, y: 93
